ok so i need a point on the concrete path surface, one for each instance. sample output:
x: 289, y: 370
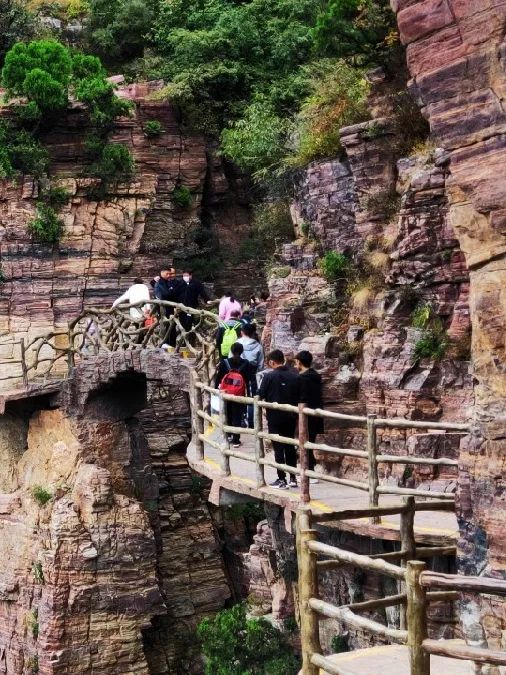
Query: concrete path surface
x: 436, y: 528
x: 393, y: 660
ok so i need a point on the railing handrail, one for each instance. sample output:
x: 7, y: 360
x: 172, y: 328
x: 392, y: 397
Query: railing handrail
x: 413, y: 601
x: 371, y: 454
x: 378, y: 422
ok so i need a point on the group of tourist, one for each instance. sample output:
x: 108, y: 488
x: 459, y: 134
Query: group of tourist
x: 242, y: 368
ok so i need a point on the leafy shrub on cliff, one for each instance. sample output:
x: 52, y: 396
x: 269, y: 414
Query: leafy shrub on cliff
x: 46, y: 72
x: 338, y: 100
x: 432, y: 345
x: 117, y: 30
x: 115, y: 162
x: 47, y: 226
x: 363, y: 31
x: 41, y: 495
x: 182, y: 196
x: 16, y: 25
x: 335, y: 266
x: 20, y: 151
x: 235, y: 645
x: 152, y: 129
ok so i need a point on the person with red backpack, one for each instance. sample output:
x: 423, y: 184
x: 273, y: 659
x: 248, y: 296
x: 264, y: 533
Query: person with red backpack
x: 233, y: 377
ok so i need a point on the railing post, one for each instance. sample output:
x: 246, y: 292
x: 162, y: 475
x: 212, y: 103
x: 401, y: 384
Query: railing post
x: 225, y: 459
x: 408, y: 545
x: 372, y: 465
x: 196, y: 403
x: 259, y: 442
x: 24, y: 367
x: 303, y: 456
x: 416, y: 618
x: 308, y: 588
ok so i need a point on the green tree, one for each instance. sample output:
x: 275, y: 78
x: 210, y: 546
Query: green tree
x: 16, y: 23
x: 235, y: 645
x: 362, y: 30
x: 40, y: 71
x: 117, y: 30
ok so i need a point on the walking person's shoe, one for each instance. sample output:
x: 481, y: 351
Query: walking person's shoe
x: 279, y: 484
x: 292, y: 483
x: 236, y: 444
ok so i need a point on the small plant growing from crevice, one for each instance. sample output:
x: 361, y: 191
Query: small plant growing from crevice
x: 38, y: 573
x: 335, y: 266
x: 304, y: 229
x: 114, y: 162
x: 32, y: 664
x: 32, y: 621
x: 41, y: 495
x: 339, y: 644
x: 152, y: 129
x: 422, y: 314
x: 47, y: 226
x: 3, y: 278
x: 432, y: 345
x: 182, y: 196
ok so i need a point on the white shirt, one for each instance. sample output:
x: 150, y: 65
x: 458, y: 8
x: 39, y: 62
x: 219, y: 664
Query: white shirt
x: 136, y: 293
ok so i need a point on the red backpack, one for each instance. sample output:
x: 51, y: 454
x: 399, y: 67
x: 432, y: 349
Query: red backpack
x: 233, y: 382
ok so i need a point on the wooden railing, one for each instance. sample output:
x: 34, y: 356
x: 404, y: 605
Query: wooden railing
x: 96, y: 331
x: 412, y: 598
x: 202, y: 419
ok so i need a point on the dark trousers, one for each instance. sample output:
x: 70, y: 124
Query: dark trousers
x: 311, y: 436
x: 284, y: 453
x: 253, y: 390
x: 234, y: 413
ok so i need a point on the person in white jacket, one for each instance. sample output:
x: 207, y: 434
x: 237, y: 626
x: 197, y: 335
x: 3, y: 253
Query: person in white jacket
x: 138, y: 292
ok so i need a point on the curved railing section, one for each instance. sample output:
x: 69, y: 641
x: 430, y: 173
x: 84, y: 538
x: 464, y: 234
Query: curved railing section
x: 185, y: 330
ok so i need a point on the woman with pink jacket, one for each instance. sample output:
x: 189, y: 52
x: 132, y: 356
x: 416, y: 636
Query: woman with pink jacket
x: 228, y: 304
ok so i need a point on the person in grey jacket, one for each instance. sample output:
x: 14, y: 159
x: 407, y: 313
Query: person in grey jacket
x: 254, y: 353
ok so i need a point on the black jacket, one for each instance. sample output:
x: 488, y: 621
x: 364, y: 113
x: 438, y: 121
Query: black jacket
x: 240, y: 365
x: 310, y: 393
x: 280, y: 385
x: 190, y: 293
x: 168, y: 289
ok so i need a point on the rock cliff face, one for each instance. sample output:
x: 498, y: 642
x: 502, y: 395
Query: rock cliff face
x: 394, y: 218
x: 455, y: 54
x: 109, y: 554
x: 129, y: 232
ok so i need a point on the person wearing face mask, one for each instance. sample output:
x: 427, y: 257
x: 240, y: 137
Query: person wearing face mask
x: 167, y: 287
x: 189, y: 294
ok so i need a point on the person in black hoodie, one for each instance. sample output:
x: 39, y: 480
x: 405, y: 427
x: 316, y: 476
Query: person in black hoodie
x: 234, y: 411
x: 280, y: 385
x: 190, y: 292
x: 167, y: 287
x: 310, y: 393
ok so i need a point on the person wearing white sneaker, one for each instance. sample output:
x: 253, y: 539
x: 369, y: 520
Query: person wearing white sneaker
x: 292, y: 483
x: 310, y: 393
x: 279, y: 484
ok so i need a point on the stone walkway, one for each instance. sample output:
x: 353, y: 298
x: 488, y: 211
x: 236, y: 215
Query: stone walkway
x: 440, y: 529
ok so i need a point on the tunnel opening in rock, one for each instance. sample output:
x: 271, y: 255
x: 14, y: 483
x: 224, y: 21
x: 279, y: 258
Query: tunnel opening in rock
x: 120, y: 398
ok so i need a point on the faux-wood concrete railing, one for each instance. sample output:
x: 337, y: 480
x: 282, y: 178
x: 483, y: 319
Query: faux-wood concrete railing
x: 202, y: 418
x: 413, y: 598
x: 96, y: 331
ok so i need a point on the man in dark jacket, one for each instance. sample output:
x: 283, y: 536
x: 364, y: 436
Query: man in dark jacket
x: 310, y: 393
x: 234, y: 411
x: 280, y: 385
x: 190, y: 292
x: 168, y: 288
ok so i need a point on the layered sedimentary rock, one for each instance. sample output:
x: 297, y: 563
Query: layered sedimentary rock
x: 455, y: 53
x: 394, y: 217
x: 109, y: 556
x: 109, y: 239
